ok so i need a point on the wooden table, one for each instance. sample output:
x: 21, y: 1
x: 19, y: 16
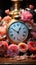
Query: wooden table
x: 14, y: 61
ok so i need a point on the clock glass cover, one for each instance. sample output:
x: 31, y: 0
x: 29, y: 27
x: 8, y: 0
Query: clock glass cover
x: 17, y: 31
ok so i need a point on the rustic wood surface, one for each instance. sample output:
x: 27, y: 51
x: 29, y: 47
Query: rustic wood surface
x: 14, y: 61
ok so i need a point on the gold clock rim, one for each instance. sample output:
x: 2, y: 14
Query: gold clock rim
x: 11, y: 41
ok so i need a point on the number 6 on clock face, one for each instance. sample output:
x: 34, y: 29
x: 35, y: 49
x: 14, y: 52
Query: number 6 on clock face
x: 17, y: 32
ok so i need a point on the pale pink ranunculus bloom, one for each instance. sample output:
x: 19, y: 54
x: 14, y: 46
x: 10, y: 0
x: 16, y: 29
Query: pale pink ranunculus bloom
x: 25, y: 15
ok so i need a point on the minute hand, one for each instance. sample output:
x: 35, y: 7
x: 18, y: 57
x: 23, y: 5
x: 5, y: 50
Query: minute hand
x: 14, y: 30
x: 20, y: 28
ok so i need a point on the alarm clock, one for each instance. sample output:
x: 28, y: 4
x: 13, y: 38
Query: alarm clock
x: 17, y: 31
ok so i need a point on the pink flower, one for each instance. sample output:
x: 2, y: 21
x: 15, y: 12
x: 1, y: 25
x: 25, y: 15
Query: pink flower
x: 13, y: 50
x: 32, y: 46
x: 25, y: 16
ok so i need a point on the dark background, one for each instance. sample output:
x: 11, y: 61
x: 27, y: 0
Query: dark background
x: 6, y: 4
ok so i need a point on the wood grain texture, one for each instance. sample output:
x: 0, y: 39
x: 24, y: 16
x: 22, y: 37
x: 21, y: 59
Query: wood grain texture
x: 14, y: 61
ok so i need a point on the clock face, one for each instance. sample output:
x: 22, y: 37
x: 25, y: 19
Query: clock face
x: 17, y: 31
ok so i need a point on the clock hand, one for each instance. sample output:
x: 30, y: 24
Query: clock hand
x: 14, y: 30
x: 19, y: 28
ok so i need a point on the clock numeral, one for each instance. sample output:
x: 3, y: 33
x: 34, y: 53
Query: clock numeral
x: 11, y: 34
x: 14, y: 37
x: 23, y: 35
x: 24, y: 32
x: 14, y: 25
x: 17, y: 24
x: 23, y: 28
x: 10, y: 31
x: 18, y: 38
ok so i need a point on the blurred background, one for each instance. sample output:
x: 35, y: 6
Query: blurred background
x: 7, y: 4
